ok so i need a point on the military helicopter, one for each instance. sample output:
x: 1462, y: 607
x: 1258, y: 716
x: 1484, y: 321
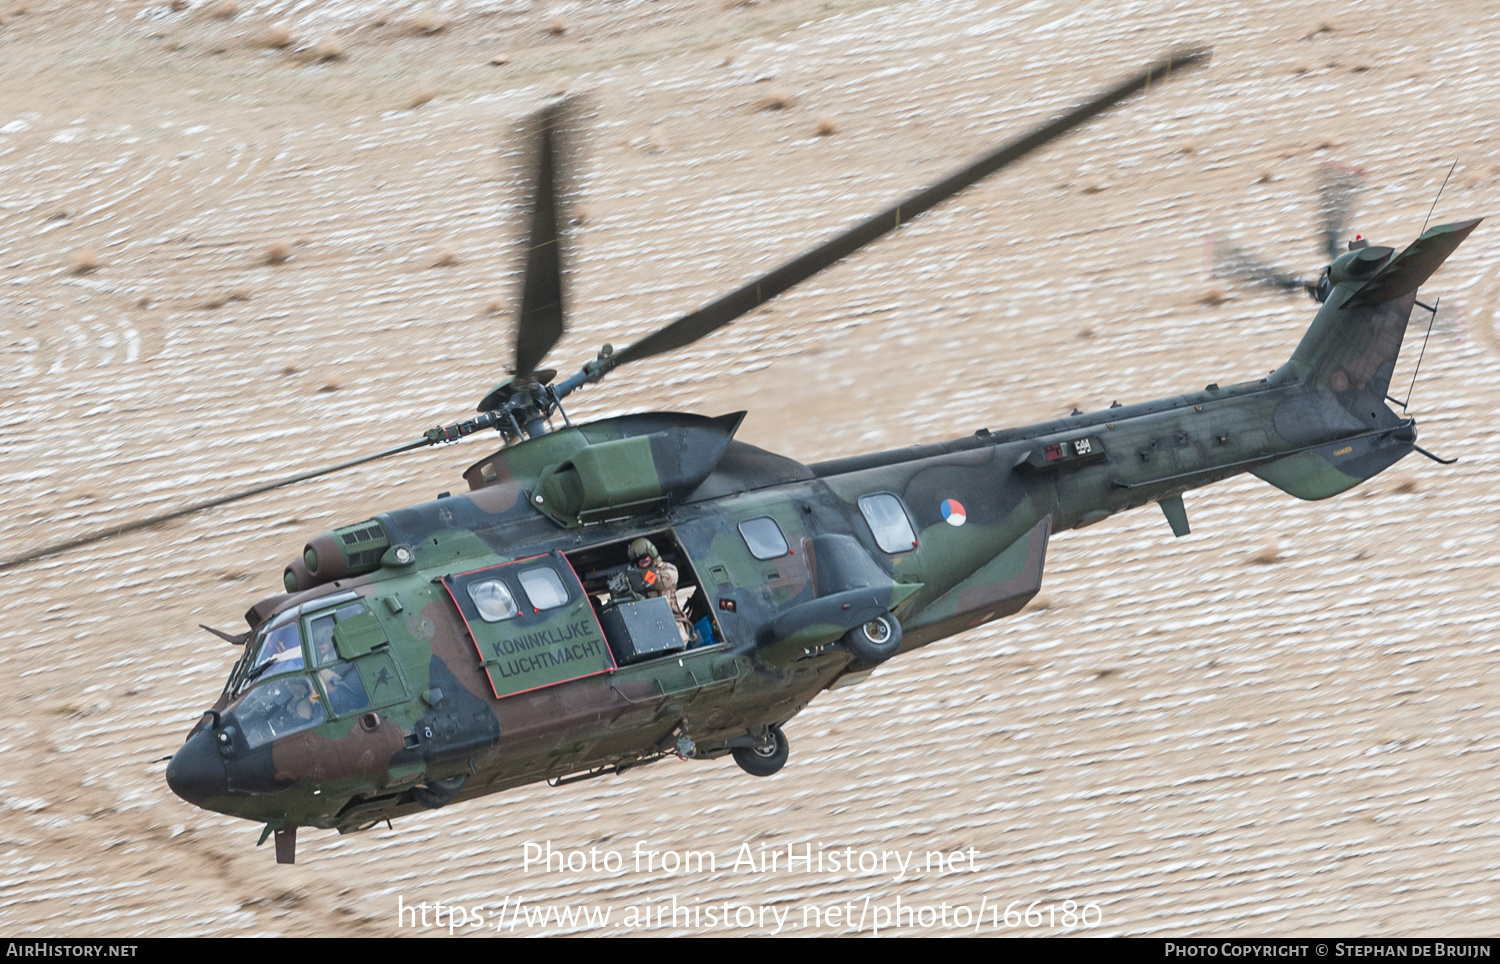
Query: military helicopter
x: 512, y: 634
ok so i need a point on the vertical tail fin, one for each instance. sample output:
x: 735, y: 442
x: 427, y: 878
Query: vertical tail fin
x: 1344, y: 366
x: 1353, y: 343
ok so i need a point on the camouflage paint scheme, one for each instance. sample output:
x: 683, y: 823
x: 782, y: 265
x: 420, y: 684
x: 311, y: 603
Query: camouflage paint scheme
x: 439, y: 732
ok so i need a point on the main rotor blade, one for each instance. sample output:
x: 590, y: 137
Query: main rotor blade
x: 102, y: 534
x: 539, y: 323
x: 717, y: 314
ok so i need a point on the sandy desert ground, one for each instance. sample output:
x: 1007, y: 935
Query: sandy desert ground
x: 1285, y: 723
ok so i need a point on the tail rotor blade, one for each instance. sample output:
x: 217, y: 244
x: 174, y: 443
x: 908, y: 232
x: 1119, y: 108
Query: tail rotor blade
x: 1230, y: 260
x: 1338, y: 185
x: 746, y: 298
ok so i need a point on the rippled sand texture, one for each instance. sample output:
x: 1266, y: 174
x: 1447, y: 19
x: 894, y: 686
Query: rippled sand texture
x: 1284, y: 723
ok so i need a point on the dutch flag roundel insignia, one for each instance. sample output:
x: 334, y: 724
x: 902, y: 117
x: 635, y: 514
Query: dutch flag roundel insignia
x: 953, y: 512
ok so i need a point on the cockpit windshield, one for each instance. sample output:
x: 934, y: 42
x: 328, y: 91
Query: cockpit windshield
x: 277, y: 646
x: 277, y: 709
x: 272, y: 652
x: 280, y: 652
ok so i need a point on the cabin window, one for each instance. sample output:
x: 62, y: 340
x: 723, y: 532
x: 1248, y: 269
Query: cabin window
x: 543, y: 587
x: 888, y: 522
x: 493, y: 600
x: 764, y: 538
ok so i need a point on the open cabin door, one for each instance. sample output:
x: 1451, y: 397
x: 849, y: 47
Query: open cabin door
x: 640, y: 624
x: 531, y: 623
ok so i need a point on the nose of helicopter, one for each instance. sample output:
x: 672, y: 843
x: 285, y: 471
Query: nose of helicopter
x: 196, y: 773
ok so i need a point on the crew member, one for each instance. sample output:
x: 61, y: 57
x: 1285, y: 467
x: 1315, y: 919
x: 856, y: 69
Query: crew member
x: 657, y: 578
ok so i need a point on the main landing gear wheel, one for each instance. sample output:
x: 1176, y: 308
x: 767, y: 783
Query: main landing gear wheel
x: 766, y: 758
x: 876, y: 641
x: 439, y: 793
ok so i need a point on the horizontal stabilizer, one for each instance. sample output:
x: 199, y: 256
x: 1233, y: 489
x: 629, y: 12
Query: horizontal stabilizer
x: 1408, y: 270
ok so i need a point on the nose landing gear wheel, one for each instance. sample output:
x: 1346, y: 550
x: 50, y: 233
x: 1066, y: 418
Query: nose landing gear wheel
x: 766, y: 758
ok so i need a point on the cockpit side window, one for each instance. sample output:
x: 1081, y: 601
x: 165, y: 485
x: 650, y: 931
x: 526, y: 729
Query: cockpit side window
x: 320, y: 631
x: 346, y: 692
x: 350, y: 652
